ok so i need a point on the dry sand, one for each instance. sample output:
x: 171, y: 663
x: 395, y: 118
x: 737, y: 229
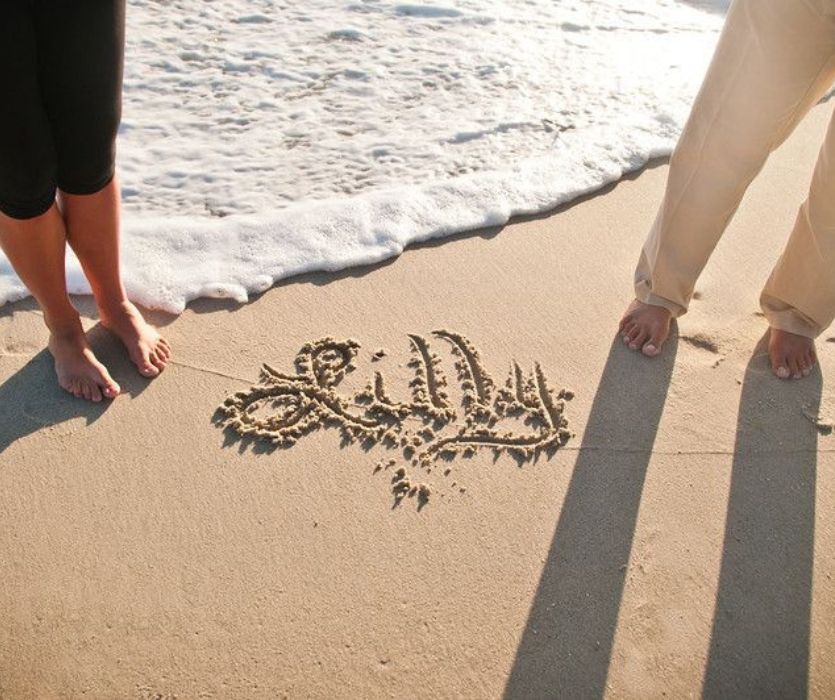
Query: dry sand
x: 682, y: 542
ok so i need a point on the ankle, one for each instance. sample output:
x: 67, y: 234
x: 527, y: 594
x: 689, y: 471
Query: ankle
x: 114, y: 306
x: 63, y: 322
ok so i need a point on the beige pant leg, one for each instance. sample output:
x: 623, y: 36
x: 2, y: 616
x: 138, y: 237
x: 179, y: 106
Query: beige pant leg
x: 799, y: 297
x: 775, y: 59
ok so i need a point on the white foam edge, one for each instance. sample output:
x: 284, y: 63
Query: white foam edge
x: 169, y: 261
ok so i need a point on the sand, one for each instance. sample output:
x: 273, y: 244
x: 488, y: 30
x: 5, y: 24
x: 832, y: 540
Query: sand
x: 681, y: 541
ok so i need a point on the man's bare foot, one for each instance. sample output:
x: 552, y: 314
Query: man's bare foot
x: 148, y: 350
x: 78, y: 370
x: 791, y: 355
x: 645, y: 327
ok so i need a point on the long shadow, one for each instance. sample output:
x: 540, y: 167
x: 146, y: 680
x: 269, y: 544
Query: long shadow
x: 760, y: 642
x: 567, y: 642
x: 31, y: 400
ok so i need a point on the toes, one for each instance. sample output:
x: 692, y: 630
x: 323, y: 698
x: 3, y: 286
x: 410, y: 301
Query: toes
x: 626, y: 330
x: 639, y: 339
x: 85, y: 390
x: 105, y: 384
x: 146, y: 367
x: 794, y: 367
x: 780, y: 367
x: 95, y: 393
x: 778, y: 362
x: 653, y: 346
x: 143, y: 359
x: 157, y: 360
x: 634, y: 332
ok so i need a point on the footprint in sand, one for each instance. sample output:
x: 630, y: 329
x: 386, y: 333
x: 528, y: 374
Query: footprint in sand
x: 701, y: 341
x: 523, y: 418
x: 706, y: 343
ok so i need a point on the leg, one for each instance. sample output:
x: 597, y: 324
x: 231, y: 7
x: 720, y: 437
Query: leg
x: 32, y: 232
x: 35, y: 247
x: 81, y: 54
x: 774, y: 61
x: 799, y: 296
x: 93, y: 232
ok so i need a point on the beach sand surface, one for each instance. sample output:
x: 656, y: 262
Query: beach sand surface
x: 682, y: 543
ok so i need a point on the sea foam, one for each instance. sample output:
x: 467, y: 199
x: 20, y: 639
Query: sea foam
x: 263, y: 139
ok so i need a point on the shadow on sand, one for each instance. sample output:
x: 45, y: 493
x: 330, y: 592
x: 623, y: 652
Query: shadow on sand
x: 759, y: 644
x: 567, y: 642
x: 31, y: 400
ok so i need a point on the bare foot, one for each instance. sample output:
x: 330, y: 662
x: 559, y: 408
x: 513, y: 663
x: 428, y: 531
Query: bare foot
x: 791, y: 355
x: 78, y: 370
x: 645, y: 327
x: 149, y: 351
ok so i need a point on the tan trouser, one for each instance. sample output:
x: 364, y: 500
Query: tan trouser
x: 774, y: 61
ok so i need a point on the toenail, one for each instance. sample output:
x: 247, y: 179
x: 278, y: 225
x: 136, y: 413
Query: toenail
x: 782, y: 372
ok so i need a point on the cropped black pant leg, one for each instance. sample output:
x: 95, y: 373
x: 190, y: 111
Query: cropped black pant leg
x: 61, y: 67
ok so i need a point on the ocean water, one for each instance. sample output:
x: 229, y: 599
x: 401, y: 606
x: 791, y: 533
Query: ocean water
x: 264, y: 138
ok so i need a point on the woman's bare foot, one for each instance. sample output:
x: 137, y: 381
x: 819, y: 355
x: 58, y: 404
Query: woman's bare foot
x: 78, y: 370
x: 148, y: 350
x: 645, y: 327
x: 791, y: 355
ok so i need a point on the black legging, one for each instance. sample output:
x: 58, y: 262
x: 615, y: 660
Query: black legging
x: 61, y: 76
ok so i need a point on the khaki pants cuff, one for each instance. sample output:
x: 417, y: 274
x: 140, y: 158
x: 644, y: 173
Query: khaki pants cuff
x: 643, y: 294
x: 786, y: 318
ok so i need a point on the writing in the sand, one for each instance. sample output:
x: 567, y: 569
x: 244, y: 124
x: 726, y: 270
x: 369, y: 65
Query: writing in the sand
x: 523, y: 417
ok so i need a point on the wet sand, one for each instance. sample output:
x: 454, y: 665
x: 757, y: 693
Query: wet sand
x: 679, y: 541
